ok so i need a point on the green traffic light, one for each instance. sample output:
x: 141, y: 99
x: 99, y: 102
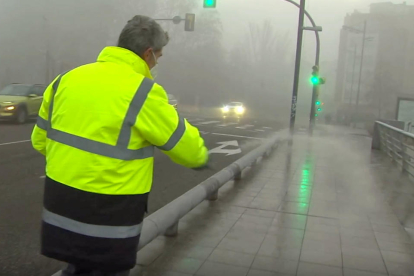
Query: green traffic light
x: 210, y: 3
x: 318, y: 103
x: 315, y: 80
x: 319, y: 109
x: 316, y: 115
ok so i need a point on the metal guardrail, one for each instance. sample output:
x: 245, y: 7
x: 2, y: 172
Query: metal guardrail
x: 165, y: 220
x: 397, y: 143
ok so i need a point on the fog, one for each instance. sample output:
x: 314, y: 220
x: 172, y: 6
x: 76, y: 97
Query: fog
x: 241, y: 51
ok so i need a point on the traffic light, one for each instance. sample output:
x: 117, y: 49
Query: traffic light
x: 315, y: 79
x: 315, y: 75
x: 319, y: 109
x: 318, y: 103
x: 210, y: 3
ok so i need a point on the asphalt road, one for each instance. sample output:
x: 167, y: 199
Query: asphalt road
x: 21, y: 184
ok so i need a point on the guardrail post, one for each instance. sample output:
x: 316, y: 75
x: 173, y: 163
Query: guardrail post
x: 376, y: 137
x: 172, y: 231
x: 254, y: 163
x: 238, y: 176
x: 213, y: 196
x: 404, y: 155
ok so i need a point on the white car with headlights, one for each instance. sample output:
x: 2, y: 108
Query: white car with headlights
x: 233, y: 109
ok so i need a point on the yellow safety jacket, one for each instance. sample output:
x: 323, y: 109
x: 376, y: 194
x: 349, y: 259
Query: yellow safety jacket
x: 97, y: 126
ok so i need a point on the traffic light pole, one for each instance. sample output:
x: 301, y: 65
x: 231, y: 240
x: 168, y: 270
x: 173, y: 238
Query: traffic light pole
x: 315, y: 88
x: 297, y: 69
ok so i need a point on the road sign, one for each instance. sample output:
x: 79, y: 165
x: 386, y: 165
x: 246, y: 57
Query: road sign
x: 223, y: 150
x: 189, y: 22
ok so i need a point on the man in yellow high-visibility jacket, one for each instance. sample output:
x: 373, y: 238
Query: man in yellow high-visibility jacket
x: 98, y: 126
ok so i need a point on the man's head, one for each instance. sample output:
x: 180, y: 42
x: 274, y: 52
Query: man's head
x: 145, y: 37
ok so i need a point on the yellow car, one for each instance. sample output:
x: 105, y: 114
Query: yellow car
x: 18, y: 102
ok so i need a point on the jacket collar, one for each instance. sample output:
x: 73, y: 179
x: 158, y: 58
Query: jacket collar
x: 123, y: 56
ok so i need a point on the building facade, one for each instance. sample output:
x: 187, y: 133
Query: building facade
x: 387, y: 65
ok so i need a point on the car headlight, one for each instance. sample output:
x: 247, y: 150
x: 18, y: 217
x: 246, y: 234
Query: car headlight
x: 10, y: 108
x: 240, y: 110
x: 225, y: 109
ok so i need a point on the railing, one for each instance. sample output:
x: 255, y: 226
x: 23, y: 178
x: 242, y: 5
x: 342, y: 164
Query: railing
x: 165, y: 220
x: 397, y: 143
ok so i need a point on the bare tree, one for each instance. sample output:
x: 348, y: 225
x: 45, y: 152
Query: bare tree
x: 261, y: 69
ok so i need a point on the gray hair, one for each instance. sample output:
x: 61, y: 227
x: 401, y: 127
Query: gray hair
x: 141, y: 33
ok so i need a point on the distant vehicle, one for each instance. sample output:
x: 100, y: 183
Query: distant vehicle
x: 172, y: 100
x: 233, y: 109
x: 18, y: 102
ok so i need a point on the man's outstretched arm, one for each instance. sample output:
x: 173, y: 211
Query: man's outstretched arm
x: 161, y: 125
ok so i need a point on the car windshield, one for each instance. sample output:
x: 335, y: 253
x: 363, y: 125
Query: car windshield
x: 15, y: 90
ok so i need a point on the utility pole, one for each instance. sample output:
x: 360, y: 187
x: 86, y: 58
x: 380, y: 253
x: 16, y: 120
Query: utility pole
x: 297, y: 68
x: 360, y: 70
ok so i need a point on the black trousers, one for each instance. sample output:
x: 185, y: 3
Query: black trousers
x: 73, y: 270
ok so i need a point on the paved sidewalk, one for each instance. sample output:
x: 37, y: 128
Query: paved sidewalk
x: 319, y: 209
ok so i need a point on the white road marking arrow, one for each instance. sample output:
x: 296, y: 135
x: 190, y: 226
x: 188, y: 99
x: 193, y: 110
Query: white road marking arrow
x: 221, y: 149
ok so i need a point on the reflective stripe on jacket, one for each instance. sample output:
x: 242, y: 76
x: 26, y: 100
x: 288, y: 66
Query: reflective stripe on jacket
x: 98, y: 125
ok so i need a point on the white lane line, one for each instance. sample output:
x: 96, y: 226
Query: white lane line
x: 267, y: 127
x: 203, y: 132
x: 239, y: 136
x: 228, y: 124
x: 16, y: 142
x: 245, y: 126
x: 259, y: 130
x: 44, y: 176
x: 207, y: 123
